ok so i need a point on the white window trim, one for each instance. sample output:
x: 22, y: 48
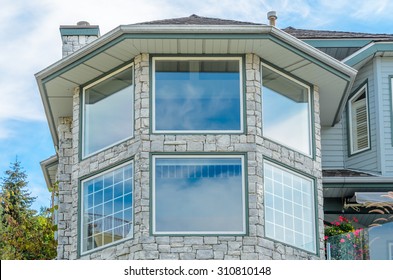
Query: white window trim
x: 350, y: 128
x: 314, y: 218
x: 82, y: 107
x: 310, y: 124
x: 183, y: 58
x: 82, y: 208
x: 244, y: 204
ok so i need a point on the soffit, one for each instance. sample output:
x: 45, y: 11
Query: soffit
x: 57, y: 82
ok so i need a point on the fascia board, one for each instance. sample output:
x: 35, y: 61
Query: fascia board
x: 175, y: 31
x: 357, y: 180
x: 367, y: 52
x: 45, y: 164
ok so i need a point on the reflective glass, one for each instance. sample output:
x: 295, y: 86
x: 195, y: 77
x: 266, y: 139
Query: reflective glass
x: 103, y: 220
x: 197, y: 95
x: 194, y: 195
x: 108, y: 112
x: 291, y: 217
x: 286, y: 111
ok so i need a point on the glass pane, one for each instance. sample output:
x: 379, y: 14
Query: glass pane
x: 292, y: 207
x: 105, y: 104
x: 207, y: 91
x: 197, y: 201
x: 103, y: 220
x: 291, y: 126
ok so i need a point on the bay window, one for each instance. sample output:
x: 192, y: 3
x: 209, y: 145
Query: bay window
x: 197, y: 95
x: 107, y: 111
x: 107, y: 207
x: 289, y: 201
x: 198, y: 194
x: 286, y: 110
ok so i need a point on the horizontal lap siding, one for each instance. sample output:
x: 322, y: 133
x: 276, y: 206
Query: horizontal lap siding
x: 385, y: 89
x: 368, y: 160
x: 333, y: 147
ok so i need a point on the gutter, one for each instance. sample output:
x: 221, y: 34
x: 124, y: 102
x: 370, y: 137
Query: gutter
x: 45, y: 164
x: 368, y: 51
x: 242, y: 30
x: 358, y: 180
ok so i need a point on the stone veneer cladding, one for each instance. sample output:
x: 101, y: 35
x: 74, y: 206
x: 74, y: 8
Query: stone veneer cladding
x: 145, y: 246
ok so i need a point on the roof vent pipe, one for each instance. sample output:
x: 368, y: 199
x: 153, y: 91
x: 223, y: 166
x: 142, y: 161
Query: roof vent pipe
x: 272, y: 17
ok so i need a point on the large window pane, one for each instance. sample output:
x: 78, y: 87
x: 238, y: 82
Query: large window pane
x: 106, y: 217
x: 108, y: 112
x: 286, y: 111
x: 197, y: 95
x: 290, y: 216
x: 198, y: 195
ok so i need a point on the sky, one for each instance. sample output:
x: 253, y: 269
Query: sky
x: 30, y: 41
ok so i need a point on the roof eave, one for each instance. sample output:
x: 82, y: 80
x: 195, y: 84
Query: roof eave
x: 358, y: 180
x: 243, y: 31
x: 45, y: 165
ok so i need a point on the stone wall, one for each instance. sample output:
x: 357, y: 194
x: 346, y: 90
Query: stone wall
x: 145, y: 246
x: 73, y: 43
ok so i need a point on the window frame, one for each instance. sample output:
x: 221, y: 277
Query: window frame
x: 314, y: 207
x: 81, y: 207
x: 310, y: 109
x: 82, y: 114
x: 244, y: 189
x: 362, y: 89
x: 240, y: 59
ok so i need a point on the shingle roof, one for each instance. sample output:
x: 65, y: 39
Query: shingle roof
x: 198, y: 20
x: 321, y: 34
x: 344, y: 173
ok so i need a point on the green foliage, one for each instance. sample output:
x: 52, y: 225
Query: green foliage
x: 24, y: 234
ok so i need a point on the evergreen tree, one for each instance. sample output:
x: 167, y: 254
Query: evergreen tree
x: 23, y: 233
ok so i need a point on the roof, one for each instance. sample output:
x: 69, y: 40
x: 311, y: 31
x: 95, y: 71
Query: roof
x: 344, y: 173
x: 325, y: 34
x: 197, y: 20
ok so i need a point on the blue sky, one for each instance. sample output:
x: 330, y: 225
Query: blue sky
x: 30, y: 41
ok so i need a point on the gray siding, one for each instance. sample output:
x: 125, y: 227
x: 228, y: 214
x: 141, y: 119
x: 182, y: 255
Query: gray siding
x: 386, y: 72
x: 333, y: 147
x: 368, y: 160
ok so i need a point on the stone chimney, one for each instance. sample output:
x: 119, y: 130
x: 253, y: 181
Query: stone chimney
x: 76, y: 36
x: 272, y: 17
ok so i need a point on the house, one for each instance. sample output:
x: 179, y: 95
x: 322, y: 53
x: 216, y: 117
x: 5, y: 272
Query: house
x: 203, y: 138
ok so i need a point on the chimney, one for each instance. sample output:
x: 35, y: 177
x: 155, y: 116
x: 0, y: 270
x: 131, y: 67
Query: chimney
x: 77, y: 36
x: 272, y: 17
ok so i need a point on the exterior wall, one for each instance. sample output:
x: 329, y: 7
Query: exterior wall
x: 367, y: 160
x: 335, y: 140
x: 334, y: 146
x: 66, y: 214
x: 146, y: 246
x: 385, y: 70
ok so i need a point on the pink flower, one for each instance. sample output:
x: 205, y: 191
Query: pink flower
x: 326, y: 237
x: 341, y: 218
x: 342, y: 240
x: 355, y: 220
x: 348, y: 235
